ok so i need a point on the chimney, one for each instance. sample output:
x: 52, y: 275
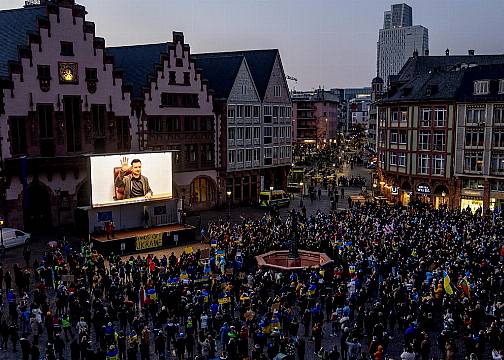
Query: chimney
x: 415, y: 53
x: 447, y: 52
x: 427, y: 52
x: 470, y: 52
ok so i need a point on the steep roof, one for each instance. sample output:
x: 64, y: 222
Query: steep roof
x: 15, y: 25
x: 219, y: 71
x: 137, y: 63
x: 493, y: 73
x: 260, y: 63
x: 418, y: 65
x: 428, y: 87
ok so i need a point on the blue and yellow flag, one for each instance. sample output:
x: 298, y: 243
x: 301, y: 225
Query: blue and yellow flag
x: 446, y: 283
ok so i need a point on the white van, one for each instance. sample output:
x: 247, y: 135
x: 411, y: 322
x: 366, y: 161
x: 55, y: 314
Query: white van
x: 14, y: 237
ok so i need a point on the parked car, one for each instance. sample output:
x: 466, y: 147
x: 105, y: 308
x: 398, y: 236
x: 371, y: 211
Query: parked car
x: 14, y: 237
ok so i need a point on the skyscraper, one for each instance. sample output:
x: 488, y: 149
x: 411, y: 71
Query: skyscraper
x: 398, y: 40
x: 402, y: 15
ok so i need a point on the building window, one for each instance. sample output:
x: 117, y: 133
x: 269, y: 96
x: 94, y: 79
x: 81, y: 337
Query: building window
x: 172, y: 78
x: 481, y: 87
x: 276, y: 133
x: 498, y: 115
x: 395, y: 116
x: 180, y: 100
x: 207, y: 152
x: 473, y: 162
x: 497, y: 163
x: 231, y: 133
x: 98, y: 113
x: 268, y: 154
x: 72, y: 113
x: 257, y: 154
x: 248, y: 155
x: 244, y: 89
x: 393, y: 137
x: 191, y: 153
x: 123, y: 136
x: 403, y: 137
x: 282, y: 111
x: 255, y: 113
x: 425, y: 120
x: 277, y: 92
x: 393, y: 158
x: 475, y: 116
x: 248, y: 133
x: 498, y: 139
x: 17, y: 126
x: 67, y: 48
x: 239, y: 133
x: 231, y: 112
x: 401, y: 159
x: 268, y: 110
x: 45, y: 121
x: 239, y: 111
x: 268, y: 131
x: 248, y: 111
x: 439, y: 141
x: 179, y: 62
x: 404, y: 115
x: 239, y: 156
x: 275, y: 111
x: 438, y: 165
x: 187, y: 78
x: 231, y: 156
x: 423, y: 164
x: 257, y: 134
x: 474, y: 138
x: 501, y: 86
x: 424, y: 140
x: 439, y: 117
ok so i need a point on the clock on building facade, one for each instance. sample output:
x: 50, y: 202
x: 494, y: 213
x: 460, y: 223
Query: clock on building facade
x: 68, y: 73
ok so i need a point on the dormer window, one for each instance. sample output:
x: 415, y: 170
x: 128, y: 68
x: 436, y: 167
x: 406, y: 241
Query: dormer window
x: 481, y: 87
x: 67, y: 48
x: 501, y: 86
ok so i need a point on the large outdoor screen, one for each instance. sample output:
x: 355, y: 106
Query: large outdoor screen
x: 125, y: 178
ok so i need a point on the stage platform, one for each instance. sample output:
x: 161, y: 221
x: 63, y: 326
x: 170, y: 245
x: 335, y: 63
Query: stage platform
x: 137, y: 240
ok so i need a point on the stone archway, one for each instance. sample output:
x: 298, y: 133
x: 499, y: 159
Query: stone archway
x: 37, y: 208
x: 202, y: 191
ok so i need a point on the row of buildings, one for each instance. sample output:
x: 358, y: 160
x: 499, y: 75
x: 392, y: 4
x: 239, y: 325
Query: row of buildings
x: 440, y: 131
x: 318, y: 116
x: 64, y: 94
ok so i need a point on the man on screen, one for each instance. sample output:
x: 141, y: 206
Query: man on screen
x: 134, y: 184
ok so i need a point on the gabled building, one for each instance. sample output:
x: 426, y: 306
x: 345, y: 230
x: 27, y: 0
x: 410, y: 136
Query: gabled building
x: 174, y: 110
x: 479, y: 150
x: 60, y: 98
x: 439, y: 132
x: 416, y: 142
x: 253, y: 109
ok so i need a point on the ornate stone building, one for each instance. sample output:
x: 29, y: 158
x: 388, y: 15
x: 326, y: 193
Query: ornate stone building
x: 60, y: 98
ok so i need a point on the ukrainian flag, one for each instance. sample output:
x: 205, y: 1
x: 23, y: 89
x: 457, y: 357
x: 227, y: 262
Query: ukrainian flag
x: 446, y: 283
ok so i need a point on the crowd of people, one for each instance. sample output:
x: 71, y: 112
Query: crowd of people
x: 408, y: 283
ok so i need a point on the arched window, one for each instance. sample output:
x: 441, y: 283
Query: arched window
x: 202, y: 190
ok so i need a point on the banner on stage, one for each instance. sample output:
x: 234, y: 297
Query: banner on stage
x: 149, y: 241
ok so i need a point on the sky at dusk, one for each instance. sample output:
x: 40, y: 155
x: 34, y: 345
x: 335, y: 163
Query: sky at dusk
x: 327, y: 43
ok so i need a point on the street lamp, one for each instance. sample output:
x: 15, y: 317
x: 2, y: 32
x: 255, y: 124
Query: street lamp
x: 228, y: 193
x: 2, y: 247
